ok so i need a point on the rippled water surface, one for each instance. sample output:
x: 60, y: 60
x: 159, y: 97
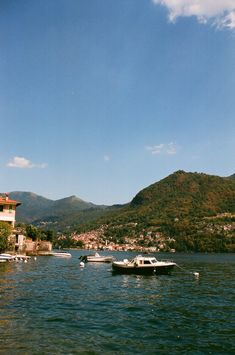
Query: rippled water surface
x: 52, y: 306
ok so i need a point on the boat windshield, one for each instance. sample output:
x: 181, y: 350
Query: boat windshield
x: 144, y: 260
x: 153, y: 260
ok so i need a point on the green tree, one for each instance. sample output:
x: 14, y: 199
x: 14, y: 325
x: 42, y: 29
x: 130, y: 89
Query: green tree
x: 33, y: 232
x: 48, y: 235
x: 5, y: 232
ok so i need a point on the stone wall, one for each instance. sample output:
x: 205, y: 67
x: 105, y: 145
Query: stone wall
x: 37, y: 247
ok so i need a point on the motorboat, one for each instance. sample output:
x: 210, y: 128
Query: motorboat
x: 13, y: 257
x: 143, y: 265
x: 96, y: 258
x: 6, y: 257
x: 62, y: 254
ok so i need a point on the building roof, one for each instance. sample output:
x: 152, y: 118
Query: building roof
x: 8, y: 201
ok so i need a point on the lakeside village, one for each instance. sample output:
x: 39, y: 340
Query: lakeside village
x: 97, y: 240
x: 28, y: 240
x: 19, y: 242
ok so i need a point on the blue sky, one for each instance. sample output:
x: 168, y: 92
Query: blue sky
x: 101, y: 98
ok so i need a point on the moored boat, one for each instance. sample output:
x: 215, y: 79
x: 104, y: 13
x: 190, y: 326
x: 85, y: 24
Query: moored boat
x: 96, y: 258
x: 13, y: 257
x: 148, y: 265
x: 6, y: 257
x: 62, y: 254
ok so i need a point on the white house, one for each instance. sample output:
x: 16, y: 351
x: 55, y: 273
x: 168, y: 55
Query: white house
x: 8, y: 209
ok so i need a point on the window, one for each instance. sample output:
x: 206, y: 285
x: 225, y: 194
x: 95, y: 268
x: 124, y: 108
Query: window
x: 1, y: 208
x: 147, y: 262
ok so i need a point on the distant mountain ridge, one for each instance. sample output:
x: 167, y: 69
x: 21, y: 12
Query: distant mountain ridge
x: 180, y: 194
x: 35, y: 207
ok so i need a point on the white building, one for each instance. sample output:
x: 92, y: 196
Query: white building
x: 8, y: 209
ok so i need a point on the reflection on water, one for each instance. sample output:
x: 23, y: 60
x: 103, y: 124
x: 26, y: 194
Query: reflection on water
x: 52, y: 306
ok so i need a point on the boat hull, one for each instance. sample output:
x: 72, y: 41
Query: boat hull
x: 100, y: 260
x: 62, y: 255
x: 139, y: 270
x: 96, y: 258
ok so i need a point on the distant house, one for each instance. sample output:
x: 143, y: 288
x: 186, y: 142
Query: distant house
x: 8, y: 209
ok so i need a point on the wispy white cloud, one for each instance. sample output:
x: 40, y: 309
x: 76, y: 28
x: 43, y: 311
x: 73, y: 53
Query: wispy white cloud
x: 107, y: 158
x: 218, y: 12
x: 169, y: 149
x: 23, y: 163
x: 155, y: 149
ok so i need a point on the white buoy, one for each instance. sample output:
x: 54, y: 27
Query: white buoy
x: 82, y: 264
x: 35, y: 258
x: 196, y: 274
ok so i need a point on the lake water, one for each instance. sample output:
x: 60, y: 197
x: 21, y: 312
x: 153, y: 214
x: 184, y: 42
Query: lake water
x: 52, y: 306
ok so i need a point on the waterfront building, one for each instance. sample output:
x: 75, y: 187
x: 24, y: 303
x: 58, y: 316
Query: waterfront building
x: 8, y: 209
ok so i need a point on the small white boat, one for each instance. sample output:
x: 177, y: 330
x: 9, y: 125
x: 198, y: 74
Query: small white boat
x: 6, y: 257
x: 15, y: 257
x: 96, y: 258
x: 62, y: 254
x: 143, y: 265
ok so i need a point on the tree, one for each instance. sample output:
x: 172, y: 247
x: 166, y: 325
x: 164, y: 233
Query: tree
x: 48, y: 235
x: 5, y: 232
x: 33, y: 232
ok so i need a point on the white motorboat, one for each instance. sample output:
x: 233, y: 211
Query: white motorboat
x: 15, y: 257
x: 143, y: 265
x: 62, y: 254
x: 96, y: 258
x: 6, y: 257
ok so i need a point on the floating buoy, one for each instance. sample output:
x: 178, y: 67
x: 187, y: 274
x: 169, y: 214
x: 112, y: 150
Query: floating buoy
x: 82, y: 264
x: 196, y: 274
x: 35, y: 258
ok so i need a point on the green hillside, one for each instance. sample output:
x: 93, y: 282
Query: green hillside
x: 187, y: 194
x: 180, y: 195
x: 36, y: 208
x: 32, y: 205
x: 195, y: 210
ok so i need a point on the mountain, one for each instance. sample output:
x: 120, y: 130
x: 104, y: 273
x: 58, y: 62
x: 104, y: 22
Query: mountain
x: 35, y: 207
x: 181, y: 194
x: 187, y: 194
x: 32, y: 205
x: 184, y: 211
